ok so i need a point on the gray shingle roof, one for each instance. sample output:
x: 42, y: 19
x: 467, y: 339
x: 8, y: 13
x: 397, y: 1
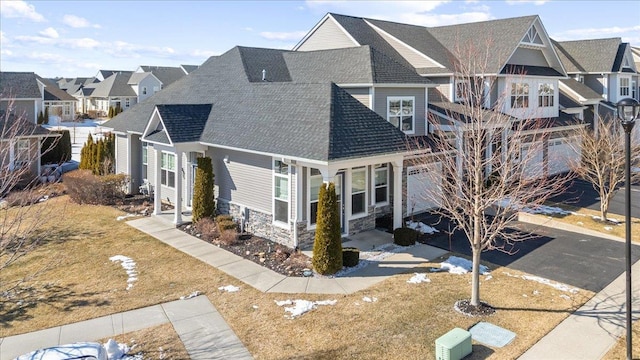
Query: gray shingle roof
x: 19, y: 85
x: 581, y: 89
x: 20, y: 127
x: 311, y: 120
x: 166, y: 74
x: 184, y: 123
x: 567, y: 102
x: 590, y: 56
x: 189, y: 68
x: 530, y: 70
x: 136, y: 77
x: 114, y: 85
x: 53, y: 93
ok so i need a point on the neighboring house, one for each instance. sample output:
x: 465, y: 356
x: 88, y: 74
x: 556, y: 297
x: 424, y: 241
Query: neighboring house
x: 188, y: 69
x: 276, y: 126
x: 24, y: 91
x: 74, y: 86
x: 521, y: 77
x: 144, y: 84
x: 20, y: 145
x: 113, y: 91
x: 59, y: 103
x: 166, y: 74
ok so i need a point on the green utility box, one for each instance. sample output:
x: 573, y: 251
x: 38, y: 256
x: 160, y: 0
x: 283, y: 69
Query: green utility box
x: 453, y: 345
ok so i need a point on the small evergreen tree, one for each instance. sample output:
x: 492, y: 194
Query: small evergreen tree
x: 327, y: 246
x: 110, y: 114
x: 57, y: 150
x: 40, y: 118
x: 86, y: 154
x: 98, y: 156
x: 203, y: 201
x: 46, y: 116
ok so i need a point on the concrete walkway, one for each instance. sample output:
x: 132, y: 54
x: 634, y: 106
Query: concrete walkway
x: 201, y: 329
x: 267, y: 280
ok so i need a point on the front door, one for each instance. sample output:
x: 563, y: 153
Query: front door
x: 192, y: 166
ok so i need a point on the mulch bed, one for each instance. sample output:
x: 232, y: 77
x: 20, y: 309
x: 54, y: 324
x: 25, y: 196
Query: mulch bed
x: 267, y: 253
x: 465, y: 307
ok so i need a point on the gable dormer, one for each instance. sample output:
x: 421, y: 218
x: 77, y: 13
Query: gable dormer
x: 535, y: 49
x: 155, y: 131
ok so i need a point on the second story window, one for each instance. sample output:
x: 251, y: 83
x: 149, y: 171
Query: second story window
x: 127, y: 102
x: 519, y: 95
x: 401, y: 112
x: 624, y: 86
x: 144, y: 90
x: 545, y: 95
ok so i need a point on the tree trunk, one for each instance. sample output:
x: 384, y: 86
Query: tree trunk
x: 475, y: 278
x: 604, y: 207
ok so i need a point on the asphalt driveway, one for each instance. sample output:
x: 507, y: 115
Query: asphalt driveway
x: 581, y: 194
x: 578, y: 260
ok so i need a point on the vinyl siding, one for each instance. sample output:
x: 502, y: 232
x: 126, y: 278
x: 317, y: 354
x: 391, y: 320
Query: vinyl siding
x: 415, y: 58
x: 247, y: 179
x: 533, y: 57
x: 380, y: 102
x: 22, y: 107
x: 327, y: 36
x: 136, y: 162
x: 122, y: 154
x: 360, y: 94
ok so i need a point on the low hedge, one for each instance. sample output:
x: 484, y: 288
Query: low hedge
x: 84, y: 187
x: 404, y: 236
x: 350, y: 256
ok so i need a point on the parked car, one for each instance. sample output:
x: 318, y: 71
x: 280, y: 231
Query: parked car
x: 75, y: 351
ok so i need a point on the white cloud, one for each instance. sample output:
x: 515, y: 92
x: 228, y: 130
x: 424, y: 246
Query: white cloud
x: 124, y: 49
x: 534, y: 2
x: 6, y: 52
x: 382, y: 7
x: 203, y: 53
x: 20, y: 9
x: 77, y: 22
x: 293, y: 35
x: 248, y: 28
x: 3, y: 38
x: 50, y: 33
x: 444, y: 19
x: 43, y: 56
x: 628, y: 33
x: 74, y: 43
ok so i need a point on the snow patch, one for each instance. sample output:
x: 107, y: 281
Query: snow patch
x: 608, y: 228
x: 129, y: 266
x: 458, y: 265
x: 122, y: 217
x: 369, y: 299
x: 302, y: 306
x: 376, y: 255
x: 192, y: 295
x: 229, y: 288
x: 418, y: 278
x: 421, y: 227
x: 553, y: 284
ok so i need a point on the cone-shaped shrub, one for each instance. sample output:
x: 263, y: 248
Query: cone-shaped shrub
x: 327, y: 246
x: 203, y: 203
x: 110, y: 113
x: 45, y: 120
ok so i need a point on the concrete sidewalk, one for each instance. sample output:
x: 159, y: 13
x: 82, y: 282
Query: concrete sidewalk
x: 267, y: 280
x: 201, y: 329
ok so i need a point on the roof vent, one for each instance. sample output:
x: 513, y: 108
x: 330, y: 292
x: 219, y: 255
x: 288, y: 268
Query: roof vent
x: 264, y: 75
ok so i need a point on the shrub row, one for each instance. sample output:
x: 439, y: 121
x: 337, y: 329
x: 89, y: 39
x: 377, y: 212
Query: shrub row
x: 84, y: 187
x: 56, y: 150
x: 405, y: 236
x: 350, y: 256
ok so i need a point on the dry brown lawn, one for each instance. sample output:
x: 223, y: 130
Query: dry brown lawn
x: 585, y: 219
x: 403, y: 323
x: 159, y: 342
x: 619, y: 350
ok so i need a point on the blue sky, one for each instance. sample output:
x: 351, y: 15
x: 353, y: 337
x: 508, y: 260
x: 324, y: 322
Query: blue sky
x: 77, y: 38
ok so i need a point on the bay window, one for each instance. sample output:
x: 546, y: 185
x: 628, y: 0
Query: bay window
x: 519, y: 95
x: 168, y: 170
x: 280, y: 192
x: 315, y: 182
x: 381, y: 183
x: 624, y: 86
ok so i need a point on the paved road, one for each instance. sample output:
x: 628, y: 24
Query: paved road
x: 581, y: 193
x: 578, y: 260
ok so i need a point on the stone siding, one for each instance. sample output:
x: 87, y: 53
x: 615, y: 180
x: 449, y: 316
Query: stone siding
x: 364, y: 223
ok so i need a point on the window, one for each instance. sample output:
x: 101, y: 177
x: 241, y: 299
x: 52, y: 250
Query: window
x: 22, y: 153
x: 519, y: 95
x: 67, y: 109
x: 144, y: 90
x: 281, y: 192
x: 400, y: 112
x: 127, y: 102
x: 168, y: 169
x: 463, y: 87
x: 381, y: 183
x: 634, y: 88
x: 359, y: 191
x: 624, y: 86
x: 144, y: 159
x: 532, y: 36
x: 315, y: 181
x: 545, y: 95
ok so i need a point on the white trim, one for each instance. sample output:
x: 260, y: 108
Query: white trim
x: 164, y: 128
x: 320, y: 23
x: 311, y: 226
x: 374, y: 187
x: 176, y: 173
x: 278, y: 223
x: 365, y: 212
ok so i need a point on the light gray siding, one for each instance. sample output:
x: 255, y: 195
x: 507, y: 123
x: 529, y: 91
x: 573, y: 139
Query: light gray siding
x: 327, y: 36
x: 361, y: 94
x: 532, y: 57
x: 136, y: 162
x: 380, y: 101
x: 247, y: 179
x: 595, y: 82
x: 122, y: 154
x: 20, y: 108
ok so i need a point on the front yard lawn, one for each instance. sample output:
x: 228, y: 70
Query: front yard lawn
x: 403, y: 322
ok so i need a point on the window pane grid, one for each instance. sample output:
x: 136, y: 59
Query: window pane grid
x: 400, y: 112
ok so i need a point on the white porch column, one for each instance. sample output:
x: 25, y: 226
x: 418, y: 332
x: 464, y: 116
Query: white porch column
x: 397, y: 193
x: 129, y: 161
x: 157, y: 186
x: 177, y: 219
x: 39, y: 149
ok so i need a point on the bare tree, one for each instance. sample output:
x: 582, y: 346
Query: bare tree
x: 602, y: 159
x: 21, y: 216
x: 490, y: 162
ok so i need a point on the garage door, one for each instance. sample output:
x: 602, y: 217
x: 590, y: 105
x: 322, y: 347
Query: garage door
x: 532, y: 154
x: 423, y: 187
x: 562, y: 153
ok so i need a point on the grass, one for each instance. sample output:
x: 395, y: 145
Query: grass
x: 584, y: 218
x: 403, y: 323
x: 619, y: 350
